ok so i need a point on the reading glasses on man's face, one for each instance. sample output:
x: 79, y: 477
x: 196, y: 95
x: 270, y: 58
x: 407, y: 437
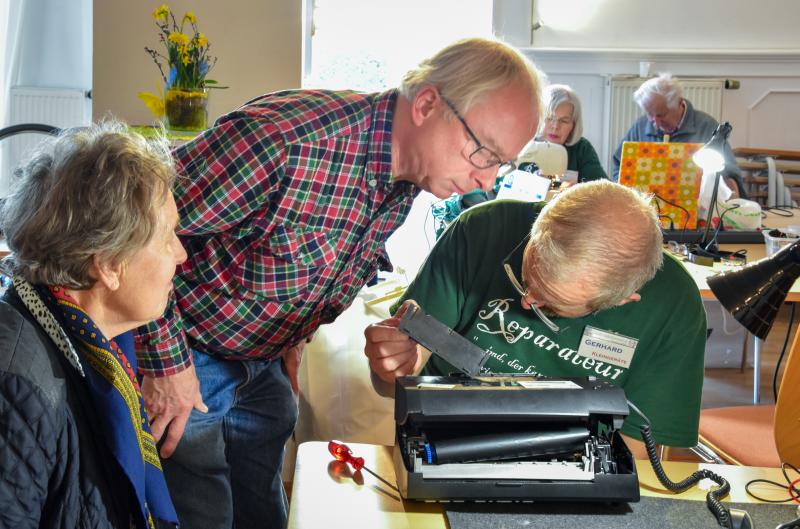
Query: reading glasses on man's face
x: 519, y: 286
x: 482, y: 157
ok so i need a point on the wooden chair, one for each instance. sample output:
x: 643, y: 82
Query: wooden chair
x: 762, y: 436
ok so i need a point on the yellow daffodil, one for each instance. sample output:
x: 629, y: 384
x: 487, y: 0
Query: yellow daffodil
x: 178, y: 38
x: 154, y: 103
x: 186, y: 62
x: 161, y: 13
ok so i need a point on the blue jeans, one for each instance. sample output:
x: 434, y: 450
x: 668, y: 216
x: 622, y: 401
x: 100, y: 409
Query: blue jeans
x: 226, y: 471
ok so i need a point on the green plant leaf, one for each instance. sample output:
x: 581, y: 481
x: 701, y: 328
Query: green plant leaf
x: 211, y: 83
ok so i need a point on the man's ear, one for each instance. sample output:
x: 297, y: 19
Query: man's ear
x: 106, y: 273
x: 632, y: 297
x: 424, y: 104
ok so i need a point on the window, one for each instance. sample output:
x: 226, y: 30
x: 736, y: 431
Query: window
x: 369, y: 45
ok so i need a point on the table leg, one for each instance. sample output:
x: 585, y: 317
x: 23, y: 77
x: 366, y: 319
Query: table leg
x: 756, y: 369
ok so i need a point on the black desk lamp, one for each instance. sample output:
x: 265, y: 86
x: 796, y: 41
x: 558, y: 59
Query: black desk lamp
x: 711, y: 159
x: 754, y: 293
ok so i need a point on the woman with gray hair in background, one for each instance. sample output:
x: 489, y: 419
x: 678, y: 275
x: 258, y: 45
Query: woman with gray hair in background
x: 91, y: 228
x: 563, y: 125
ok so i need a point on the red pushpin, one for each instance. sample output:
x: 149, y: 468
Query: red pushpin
x: 342, y: 452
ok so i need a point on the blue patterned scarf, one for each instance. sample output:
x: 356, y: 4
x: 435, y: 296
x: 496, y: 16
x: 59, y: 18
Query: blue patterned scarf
x: 118, y: 402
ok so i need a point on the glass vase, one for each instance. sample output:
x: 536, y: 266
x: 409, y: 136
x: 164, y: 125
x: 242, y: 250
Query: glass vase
x: 186, y: 109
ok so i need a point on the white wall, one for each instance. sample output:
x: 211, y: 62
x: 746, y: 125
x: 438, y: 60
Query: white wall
x: 659, y: 25
x: 764, y: 111
x: 257, y: 43
x: 677, y: 24
x: 584, y: 42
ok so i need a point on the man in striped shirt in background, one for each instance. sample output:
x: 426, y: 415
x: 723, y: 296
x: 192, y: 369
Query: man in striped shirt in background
x: 286, y: 205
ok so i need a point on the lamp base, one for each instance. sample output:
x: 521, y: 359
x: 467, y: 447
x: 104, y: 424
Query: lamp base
x: 707, y: 257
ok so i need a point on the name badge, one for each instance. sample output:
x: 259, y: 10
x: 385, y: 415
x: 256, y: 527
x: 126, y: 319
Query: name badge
x: 607, y: 346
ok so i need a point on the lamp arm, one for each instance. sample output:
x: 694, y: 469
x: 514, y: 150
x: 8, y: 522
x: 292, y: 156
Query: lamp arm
x: 704, y: 242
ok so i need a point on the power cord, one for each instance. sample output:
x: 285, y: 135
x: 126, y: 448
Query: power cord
x: 687, y: 215
x: 728, y: 518
x: 782, y: 211
x: 783, y: 352
x: 713, y: 241
x: 790, y: 485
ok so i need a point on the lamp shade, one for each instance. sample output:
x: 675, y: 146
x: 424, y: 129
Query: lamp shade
x: 710, y: 157
x: 754, y: 293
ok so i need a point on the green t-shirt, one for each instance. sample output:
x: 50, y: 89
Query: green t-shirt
x: 463, y: 285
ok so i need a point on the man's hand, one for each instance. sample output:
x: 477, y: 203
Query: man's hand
x: 391, y: 353
x: 169, y: 401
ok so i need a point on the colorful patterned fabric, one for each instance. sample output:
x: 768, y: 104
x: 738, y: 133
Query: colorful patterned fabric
x: 667, y: 171
x: 118, y: 400
x: 285, y: 206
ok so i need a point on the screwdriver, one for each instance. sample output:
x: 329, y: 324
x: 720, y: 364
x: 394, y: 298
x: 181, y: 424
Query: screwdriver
x: 342, y: 452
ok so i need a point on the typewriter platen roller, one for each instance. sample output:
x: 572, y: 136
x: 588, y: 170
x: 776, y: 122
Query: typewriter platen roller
x: 511, y: 438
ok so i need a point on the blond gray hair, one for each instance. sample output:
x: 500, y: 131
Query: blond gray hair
x: 92, y: 191
x: 665, y: 86
x: 601, y: 233
x: 469, y: 69
x: 556, y: 94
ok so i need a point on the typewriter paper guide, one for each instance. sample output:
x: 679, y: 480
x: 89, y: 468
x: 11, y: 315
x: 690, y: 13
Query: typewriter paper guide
x: 443, y: 341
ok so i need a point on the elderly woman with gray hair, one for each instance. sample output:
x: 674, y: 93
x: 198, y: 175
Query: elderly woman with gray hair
x: 91, y: 228
x: 563, y: 125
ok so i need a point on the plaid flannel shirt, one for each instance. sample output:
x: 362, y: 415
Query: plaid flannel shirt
x: 285, y: 206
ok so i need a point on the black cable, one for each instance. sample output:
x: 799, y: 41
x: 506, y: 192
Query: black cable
x: 720, y: 512
x: 713, y: 497
x: 669, y: 220
x: 686, y: 211
x: 719, y: 224
x: 776, y: 484
x: 780, y: 358
x: 781, y: 211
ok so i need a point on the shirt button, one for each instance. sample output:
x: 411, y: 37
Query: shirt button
x: 372, y: 182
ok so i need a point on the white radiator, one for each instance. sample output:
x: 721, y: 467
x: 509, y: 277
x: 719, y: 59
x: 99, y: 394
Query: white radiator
x: 59, y: 107
x: 705, y: 95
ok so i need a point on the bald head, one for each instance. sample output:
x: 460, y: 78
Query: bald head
x: 601, y: 233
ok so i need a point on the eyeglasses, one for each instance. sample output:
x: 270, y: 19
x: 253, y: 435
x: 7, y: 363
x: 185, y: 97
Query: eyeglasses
x: 482, y: 157
x: 519, y: 286
x: 561, y: 122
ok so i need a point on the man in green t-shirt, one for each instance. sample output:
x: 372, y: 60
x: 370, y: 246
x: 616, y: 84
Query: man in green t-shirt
x: 592, y: 294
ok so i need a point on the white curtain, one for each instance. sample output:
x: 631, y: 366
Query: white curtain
x: 8, y: 30
x: 46, y: 44
x: 51, y: 44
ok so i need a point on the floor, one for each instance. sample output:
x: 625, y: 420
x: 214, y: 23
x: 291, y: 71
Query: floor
x: 733, y: 386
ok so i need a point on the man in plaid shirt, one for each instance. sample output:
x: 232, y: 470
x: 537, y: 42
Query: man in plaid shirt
x: 286, y: 204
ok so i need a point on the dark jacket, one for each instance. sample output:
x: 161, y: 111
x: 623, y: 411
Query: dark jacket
x: 582, y: 158
x: 55, y: 468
